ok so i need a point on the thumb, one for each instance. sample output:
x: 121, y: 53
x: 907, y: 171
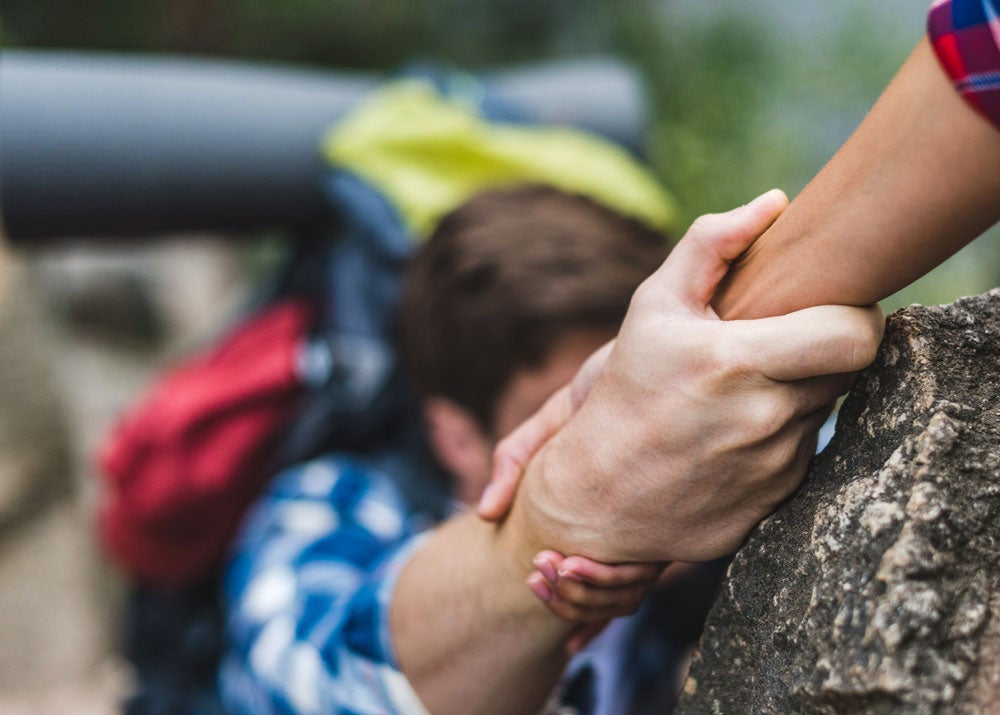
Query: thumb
x: 513, y: 452
x: 698, y: 263
x: 586, y: 376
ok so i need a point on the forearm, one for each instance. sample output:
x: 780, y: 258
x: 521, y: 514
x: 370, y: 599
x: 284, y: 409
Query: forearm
x: 918, y: 179
x: 468, y: 633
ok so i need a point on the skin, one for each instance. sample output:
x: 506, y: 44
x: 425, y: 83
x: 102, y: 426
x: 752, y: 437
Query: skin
x: 677, y: 438
x: 468, y: 635
x: 918, y: 180
x: 855, y: 235
x: 465, y: 449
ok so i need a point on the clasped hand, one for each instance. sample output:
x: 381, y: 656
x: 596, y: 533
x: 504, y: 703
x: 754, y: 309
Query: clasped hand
x: 674, y: 440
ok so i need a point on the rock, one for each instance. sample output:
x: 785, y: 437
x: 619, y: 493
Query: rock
x: 71, y: 360
x: 876, y: 587
x: 34, y: 459
x: 47, y: 614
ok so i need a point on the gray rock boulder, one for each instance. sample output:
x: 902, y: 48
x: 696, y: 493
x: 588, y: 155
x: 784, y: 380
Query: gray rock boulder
x: 876, y: 587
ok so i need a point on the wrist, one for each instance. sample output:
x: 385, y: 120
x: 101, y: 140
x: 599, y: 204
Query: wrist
x: 459, y: 610
x: 517, y: 540
x: 515, y: 546
x: 572, y: 498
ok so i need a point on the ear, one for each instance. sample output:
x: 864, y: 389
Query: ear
x: 459, y: 445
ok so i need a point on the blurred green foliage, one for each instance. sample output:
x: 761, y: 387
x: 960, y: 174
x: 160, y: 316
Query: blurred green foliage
x: 344, y: 33
x: 745, y: 96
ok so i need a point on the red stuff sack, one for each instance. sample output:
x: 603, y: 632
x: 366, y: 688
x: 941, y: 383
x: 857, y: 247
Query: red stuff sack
x: 182, y: 467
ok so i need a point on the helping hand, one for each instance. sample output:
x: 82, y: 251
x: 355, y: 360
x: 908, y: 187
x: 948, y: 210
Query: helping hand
x: 675, y: 440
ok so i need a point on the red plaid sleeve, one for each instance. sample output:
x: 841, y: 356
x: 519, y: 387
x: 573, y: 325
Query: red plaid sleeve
x: 966, y: 38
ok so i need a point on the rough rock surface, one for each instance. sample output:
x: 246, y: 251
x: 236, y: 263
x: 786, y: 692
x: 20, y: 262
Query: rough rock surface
x: 876, y: 588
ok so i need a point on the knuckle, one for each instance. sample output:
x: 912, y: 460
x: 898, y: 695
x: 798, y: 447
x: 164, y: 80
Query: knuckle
x: 861, y: 339
x: 707, y: 358
x: 618, y: 579
x: 769, y: 415
x: 605, y: 577
x: 646, y: 297
x: 866, y: 345
x: 783, y: 456
x: 787, y: 472
x: 730, y: 355
x: 718, y: 355
x: 574, y: 593
x: 703, y: 227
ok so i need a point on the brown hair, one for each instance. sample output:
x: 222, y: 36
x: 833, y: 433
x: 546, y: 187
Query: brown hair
x: 504, y: 277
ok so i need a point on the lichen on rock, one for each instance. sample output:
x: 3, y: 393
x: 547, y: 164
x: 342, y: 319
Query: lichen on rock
x: 874, y: 588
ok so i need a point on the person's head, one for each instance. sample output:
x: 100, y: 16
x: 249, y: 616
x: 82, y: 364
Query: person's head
x: 504, y: 302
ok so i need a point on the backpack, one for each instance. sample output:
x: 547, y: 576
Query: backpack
x: 313, y: 368
x: 183, y: 466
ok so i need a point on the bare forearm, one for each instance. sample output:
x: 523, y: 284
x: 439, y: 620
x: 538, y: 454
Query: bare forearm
x: 469, y: 635
x: 918, y: 180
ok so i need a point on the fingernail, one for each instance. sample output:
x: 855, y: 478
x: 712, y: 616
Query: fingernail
x: 539, y: 587
x: 547, y: 569
x: 571, y: 575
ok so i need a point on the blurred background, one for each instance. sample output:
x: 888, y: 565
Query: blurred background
x: 742, y: 97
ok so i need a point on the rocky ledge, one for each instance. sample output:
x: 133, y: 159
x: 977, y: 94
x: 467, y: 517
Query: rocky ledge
x: 876, y: 587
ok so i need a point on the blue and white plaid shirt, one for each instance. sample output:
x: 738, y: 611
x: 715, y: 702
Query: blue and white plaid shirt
x: 307, y: 594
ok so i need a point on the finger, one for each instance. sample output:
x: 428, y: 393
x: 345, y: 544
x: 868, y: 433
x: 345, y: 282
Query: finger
x: 578, y: 568
x: 513, y: 452
x: 549, y: 563
x: 772, y: 410
x: 790, y: 479
x: 810, y: 426
x: 823, y: 340
x: 702, y: 257
x: 540, y: 587
x: 787, y: 476
x: 675, y: 572
x: 576, y: 614
x: 584, y: 635
x: 805, y: 397
x: 583, y: 595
